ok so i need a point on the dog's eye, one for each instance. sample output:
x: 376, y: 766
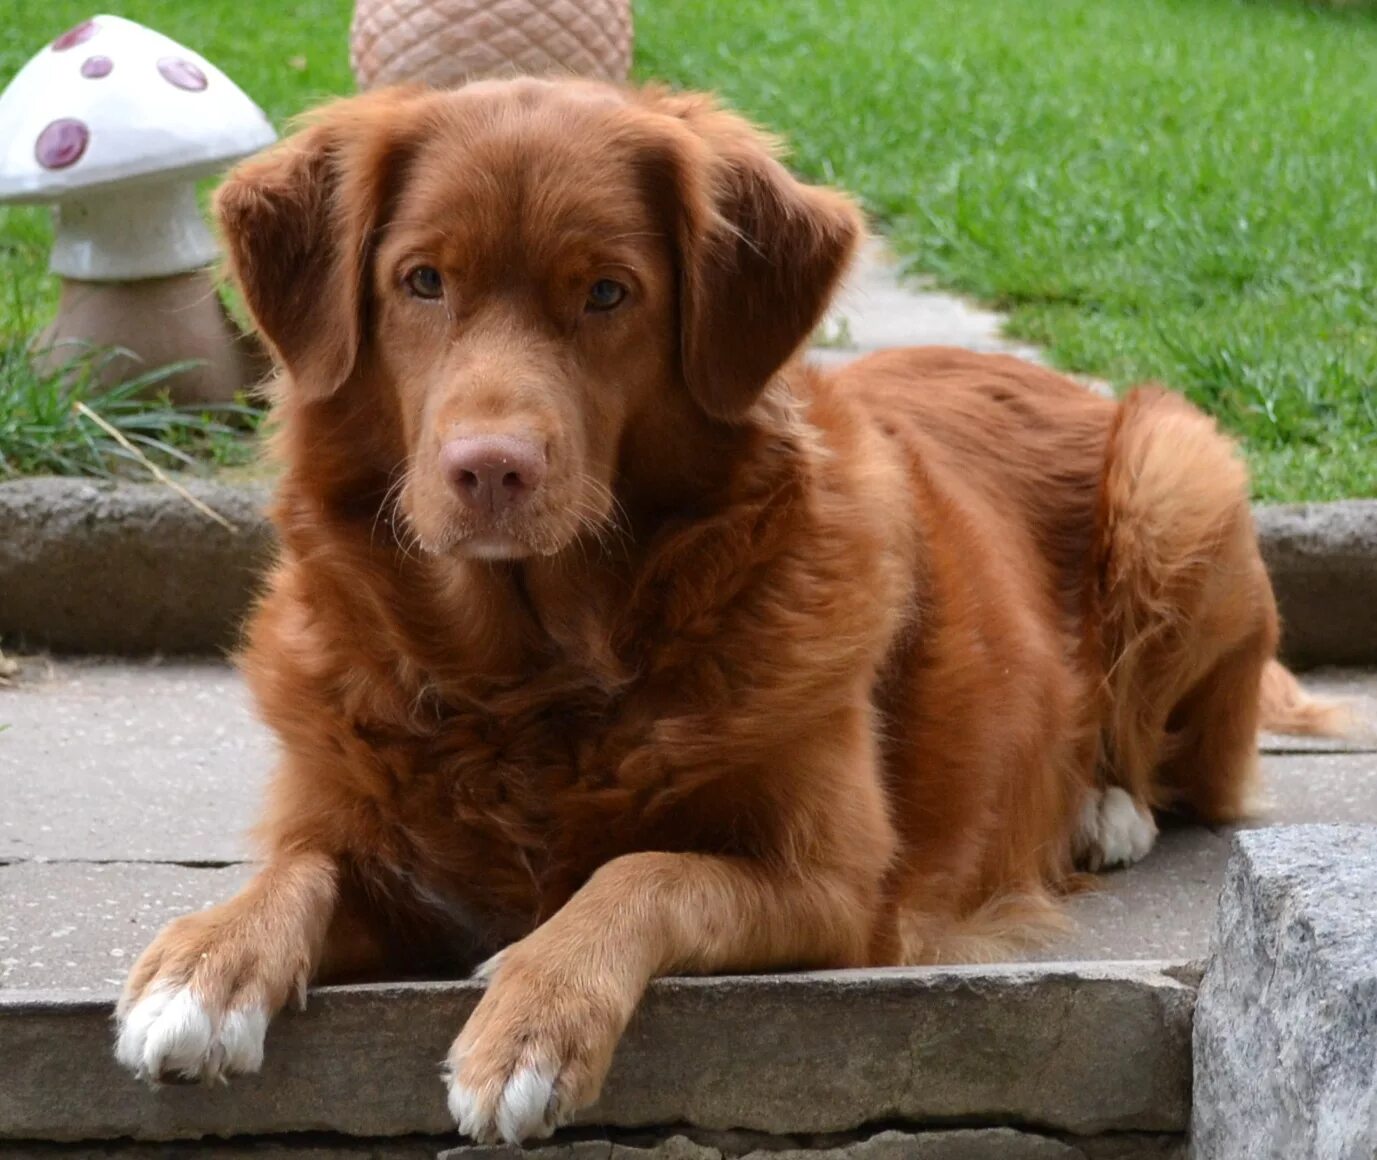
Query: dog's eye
x: 424, y: 282
x: 604, y: 294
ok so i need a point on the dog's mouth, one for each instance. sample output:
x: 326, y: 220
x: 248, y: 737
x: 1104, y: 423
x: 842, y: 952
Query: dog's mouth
x: 500, y: 540
x: 491, y: 546
x: 429, y: 518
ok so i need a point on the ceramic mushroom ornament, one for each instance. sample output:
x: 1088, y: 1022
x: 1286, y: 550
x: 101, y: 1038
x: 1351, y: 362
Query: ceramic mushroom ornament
x: 112, y: 124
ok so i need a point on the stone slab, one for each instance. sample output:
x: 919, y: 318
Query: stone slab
x: 129, y: 762
x: 127, y: 568
x: 78, y: 926
x: 1077, y: 1049
x: 957, y: 1144
x: 1286, y: 1037
x: 310, y: 1146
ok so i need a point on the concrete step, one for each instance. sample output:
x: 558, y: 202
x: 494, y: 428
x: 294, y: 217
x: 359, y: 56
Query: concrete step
x: 1084, y: 1050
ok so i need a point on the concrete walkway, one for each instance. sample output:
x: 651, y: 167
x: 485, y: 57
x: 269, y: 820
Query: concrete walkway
x: 128, y: 789
x: 876, y: 309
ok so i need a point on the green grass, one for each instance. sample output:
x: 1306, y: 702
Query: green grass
x: 1179, y: 190
x: 61, y: 424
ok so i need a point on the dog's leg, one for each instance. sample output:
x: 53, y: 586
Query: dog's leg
x: 198, y: 1000
x: 539, y: 1044
x: 1212, y: 772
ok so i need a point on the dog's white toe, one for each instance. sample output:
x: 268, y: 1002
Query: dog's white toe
x: 526, y: 1108
x: 1115, y: 829
x: 169, y: 1032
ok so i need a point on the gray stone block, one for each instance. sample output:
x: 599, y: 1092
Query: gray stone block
x: 1076, y: 1049
x: 127, y: 568
x: 1286, y: 1030
x: 1323, y: 562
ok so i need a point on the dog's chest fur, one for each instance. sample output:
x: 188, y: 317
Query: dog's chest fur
x: 497, y: 810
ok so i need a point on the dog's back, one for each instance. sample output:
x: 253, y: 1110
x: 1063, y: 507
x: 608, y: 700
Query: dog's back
x: 1024, y: 445
x: 1090, y: 566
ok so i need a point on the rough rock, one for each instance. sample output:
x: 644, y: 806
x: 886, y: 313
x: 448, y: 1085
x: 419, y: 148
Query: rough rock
x: 960, y: 1144
x: 1323, y: 562
x: 1085, y: 1050
x: 127, y: 568
x: 1286, y: 1031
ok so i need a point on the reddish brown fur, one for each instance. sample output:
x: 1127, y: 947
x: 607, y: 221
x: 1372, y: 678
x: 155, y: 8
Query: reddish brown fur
x: 790, y: 669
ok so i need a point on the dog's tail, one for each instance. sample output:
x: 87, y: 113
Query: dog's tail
x: 1180, y: 550
x: 1012, y: 922
x: 1288, y: 708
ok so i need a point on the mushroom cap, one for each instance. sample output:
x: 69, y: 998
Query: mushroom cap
x: 111, y: 101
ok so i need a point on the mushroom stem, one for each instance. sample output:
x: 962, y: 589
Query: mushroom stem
x: 149, y: 323
x: 129, y: 232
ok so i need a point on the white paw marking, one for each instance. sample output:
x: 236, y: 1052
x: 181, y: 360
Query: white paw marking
x: 1115, y: 830
x: 526, y: 1108
x: 169, y: 1032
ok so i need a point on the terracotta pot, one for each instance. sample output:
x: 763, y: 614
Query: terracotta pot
x: 446, y: 42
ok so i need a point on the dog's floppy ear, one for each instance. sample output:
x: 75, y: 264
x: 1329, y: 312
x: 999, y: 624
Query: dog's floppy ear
x: 760, y: 254
x: 298, y: 222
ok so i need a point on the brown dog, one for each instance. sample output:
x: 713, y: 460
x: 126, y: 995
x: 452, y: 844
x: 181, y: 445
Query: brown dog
x: 606, y: 634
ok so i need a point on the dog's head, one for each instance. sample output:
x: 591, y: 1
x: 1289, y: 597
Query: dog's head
x: 506, y: 282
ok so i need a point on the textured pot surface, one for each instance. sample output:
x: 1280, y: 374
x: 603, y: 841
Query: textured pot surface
x: 446, y: 42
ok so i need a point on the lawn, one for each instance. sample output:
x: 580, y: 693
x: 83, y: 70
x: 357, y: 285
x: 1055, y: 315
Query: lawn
x: 1180, y: 190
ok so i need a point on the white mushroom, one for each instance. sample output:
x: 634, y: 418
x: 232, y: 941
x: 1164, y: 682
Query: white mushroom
x: 112, y: 124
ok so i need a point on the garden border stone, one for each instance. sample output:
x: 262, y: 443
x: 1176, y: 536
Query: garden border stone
x: 1322, y: 558
x: 133, y: 568
x: 127, y: 568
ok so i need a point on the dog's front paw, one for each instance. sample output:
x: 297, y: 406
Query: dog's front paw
x: 533, y: 1052
x: 193, y: 1010
x: 172, y: 1031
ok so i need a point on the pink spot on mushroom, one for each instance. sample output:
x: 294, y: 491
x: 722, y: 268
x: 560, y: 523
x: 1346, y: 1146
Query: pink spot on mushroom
x: 74, y: 36
x: 95, y: 67
x: 61, y: 143
x: 182, y: 73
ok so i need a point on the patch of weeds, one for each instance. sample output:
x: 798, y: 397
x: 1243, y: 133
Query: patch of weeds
x: 44, y: 432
